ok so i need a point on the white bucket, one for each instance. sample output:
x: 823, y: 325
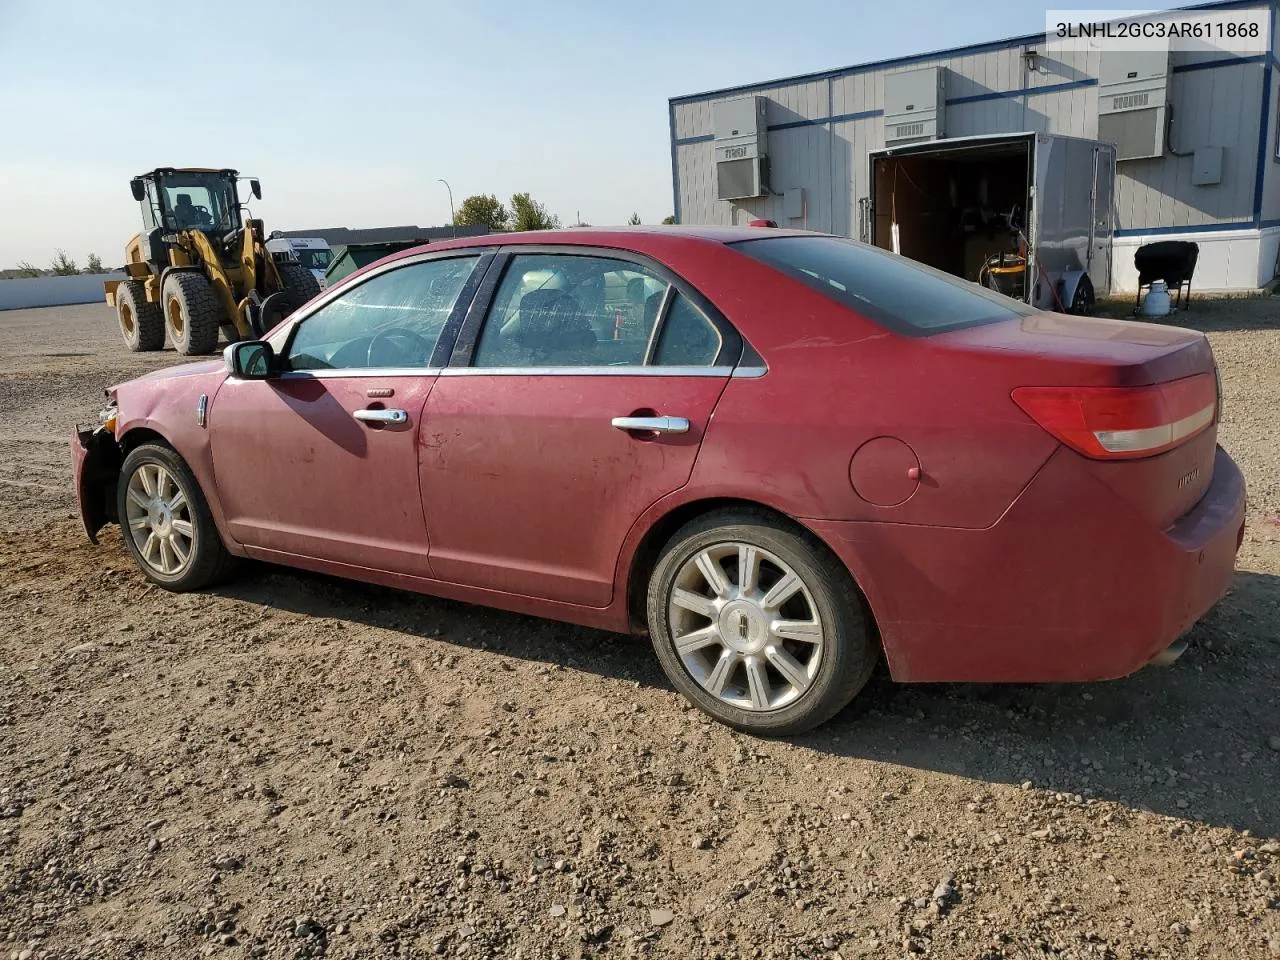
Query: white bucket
x: 1156, y: 302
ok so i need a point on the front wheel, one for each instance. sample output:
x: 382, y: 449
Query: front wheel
x: 758, y: 625
x: 298, y: 282
x: 166, y: 523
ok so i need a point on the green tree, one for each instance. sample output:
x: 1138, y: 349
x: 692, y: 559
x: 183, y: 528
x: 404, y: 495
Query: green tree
x: 529, y: 214
x: 482, y: 209
x: 669, y: 220
x: 63, y: 266
x: 93, y: 264
x: 634, y: 221
x: 26, y: 269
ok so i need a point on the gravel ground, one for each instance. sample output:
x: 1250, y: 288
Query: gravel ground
x: 294, y: 766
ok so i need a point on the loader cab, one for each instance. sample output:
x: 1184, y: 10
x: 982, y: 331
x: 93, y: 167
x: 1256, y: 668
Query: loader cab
x: 177, y: 200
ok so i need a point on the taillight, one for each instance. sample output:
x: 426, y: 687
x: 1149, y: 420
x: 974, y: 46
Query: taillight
x: 1117, y: 423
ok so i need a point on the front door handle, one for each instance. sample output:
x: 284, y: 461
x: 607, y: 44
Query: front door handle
x: 652, y: 424
x: 382, y: 416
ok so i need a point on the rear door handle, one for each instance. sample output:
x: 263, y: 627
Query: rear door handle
x: 382, y: 416
x: 652, y: 424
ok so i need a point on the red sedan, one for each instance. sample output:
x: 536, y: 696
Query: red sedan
x: 781, y: 454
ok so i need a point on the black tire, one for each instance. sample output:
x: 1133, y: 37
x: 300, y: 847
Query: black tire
x: 1083, y: 299
x: 141, y: 322
x: 298, y: 282
x: 208, y: 560
x: 192, y: 313
x: 849, y: 650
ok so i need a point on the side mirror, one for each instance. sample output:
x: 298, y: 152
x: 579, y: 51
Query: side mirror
x: 139, y: 189
x: 255, y: 188
x: 250, y: 360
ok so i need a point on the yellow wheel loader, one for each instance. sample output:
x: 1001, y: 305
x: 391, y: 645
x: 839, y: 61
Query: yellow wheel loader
x: 197, y: 268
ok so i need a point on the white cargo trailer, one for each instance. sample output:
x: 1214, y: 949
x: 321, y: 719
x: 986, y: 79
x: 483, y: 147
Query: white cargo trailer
x: 1029, y: 214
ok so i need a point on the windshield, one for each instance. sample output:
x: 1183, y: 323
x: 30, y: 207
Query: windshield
x: 314, y: 259
x: 199, y: 201
x: 898, y: 292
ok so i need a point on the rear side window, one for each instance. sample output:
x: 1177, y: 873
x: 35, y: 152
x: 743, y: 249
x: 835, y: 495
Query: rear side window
x: 688, y: 338
x: 895, y: 291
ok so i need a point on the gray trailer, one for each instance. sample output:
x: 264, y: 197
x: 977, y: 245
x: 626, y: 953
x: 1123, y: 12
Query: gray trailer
x: 1028, y: 214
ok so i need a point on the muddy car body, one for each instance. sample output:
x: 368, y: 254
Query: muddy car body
x: 783, y: 455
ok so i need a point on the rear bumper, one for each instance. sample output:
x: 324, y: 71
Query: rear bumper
x: 1072, y: 584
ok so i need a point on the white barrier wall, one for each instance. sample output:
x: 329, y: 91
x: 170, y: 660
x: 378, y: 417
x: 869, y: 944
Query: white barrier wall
x: 1230, y: 261
x: 53, y: 291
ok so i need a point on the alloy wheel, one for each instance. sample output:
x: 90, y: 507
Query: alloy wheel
x: 159, y: 519
x: 745, y: 626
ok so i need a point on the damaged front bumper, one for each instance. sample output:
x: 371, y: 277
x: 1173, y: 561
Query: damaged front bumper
x: 96, y: 459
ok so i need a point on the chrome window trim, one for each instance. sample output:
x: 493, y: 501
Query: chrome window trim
x: 363, y: 372
x: 630, y: 370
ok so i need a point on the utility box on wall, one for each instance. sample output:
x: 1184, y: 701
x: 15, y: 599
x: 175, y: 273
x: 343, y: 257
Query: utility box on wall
x: 1133, y: 101
x: 915, y: 105
x: 741, y: 147
x: 1206, y: 167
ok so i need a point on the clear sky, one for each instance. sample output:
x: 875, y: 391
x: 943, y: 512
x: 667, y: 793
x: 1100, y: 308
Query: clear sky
x: 349, y: 111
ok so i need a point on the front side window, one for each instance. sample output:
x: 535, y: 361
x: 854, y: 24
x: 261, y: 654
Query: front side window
x: 150, y: 208
x: 199, y: 201
x: 314, y: 259
x: 899, y: 293
x: 391, y: 320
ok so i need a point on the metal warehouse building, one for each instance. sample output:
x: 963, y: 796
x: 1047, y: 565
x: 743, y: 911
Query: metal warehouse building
x: 1196, y: 132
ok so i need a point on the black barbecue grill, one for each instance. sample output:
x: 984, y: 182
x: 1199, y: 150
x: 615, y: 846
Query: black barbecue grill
x: 1173, y: 261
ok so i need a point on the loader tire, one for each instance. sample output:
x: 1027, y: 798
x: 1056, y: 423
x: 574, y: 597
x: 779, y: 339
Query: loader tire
x: 141, y: 322
x: 191, y: 313
x: 298, y: 282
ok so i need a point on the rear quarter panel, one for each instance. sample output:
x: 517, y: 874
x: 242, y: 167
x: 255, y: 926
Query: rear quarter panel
x: 836, y: 380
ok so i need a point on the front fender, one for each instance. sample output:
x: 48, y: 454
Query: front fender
x: 178, y: 409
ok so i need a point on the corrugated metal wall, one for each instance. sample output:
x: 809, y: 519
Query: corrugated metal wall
x: 823, y: 128
x: 1271, y: 165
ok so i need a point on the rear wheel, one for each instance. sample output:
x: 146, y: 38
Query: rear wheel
x: 166, y: 523
x: 298, y: 282
x: 758, y: 624
x: 191, y: 312
x: 141, y: 322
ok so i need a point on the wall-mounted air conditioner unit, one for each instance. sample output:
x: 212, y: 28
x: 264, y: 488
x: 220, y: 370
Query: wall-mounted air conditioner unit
x: 915, y: 105
x: 741, y: 147
x: 1133, y: 101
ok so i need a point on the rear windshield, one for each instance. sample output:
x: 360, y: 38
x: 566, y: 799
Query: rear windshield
x: 902, y: 294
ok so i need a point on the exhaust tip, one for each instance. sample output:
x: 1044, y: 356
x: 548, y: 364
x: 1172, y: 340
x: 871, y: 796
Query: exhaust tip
x: 1170, y: 654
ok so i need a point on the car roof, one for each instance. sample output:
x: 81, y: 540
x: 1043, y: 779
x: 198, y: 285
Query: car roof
x: 652, y: 240
x: 622, y: 237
